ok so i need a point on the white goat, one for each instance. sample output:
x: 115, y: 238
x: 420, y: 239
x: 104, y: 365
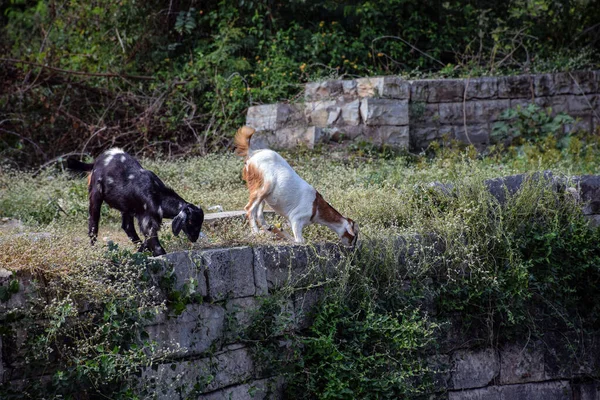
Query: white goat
x: 270, y: 179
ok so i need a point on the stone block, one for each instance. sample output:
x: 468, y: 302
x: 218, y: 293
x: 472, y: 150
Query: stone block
x: 478, y: 112
x: 198, y: 329
x: 282, y: 264
x: 557, y: 104
x: 387, y: 87
x: 188, y: 271
x: 395, y: 136
x: 589, y: 192
x: 580, y: 124
x: 556, y: 390
x: 260, y: 275
x: 514, y: 87
x: 393, y: 87
x: 563, y: 362
x: 189, y: 379
x: 481, y: 88
x: 504, y: 187
x: 486, y: 111
x: 522, y: 103
x: 298, y: 264
x: 27, y: 290
x: 543, y: 85
x: 334, y: 116
x: 341, y: 133
x: 349, y: 88
x: 577, y: 82
x: 304, y: 303
x: 239, y: 313
x: 229, y: 273
x: 420, y: 112
x: 262, y: 389
x: 314, y: 135
x: 289, y: 138
x: 419, y: 91
x: 519, y: 364
x: 475, y: 134
x: 593, y: 220
x: 351, y: 113
x: 422, y: 135
x: 446, y: 90
x: 264, y: 140
x: 384, y: 111
x: 451, y: 113
x: 315, y: 91
x: 474, y: 369
x: 318, y: 112
x: 273, y: 116
x: 437, y: 90
x: 586, y: 391
x: 584, y: 104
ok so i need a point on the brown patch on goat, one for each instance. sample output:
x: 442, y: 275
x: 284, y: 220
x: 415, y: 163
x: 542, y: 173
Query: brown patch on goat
x: 279, y: 233
x: 253, y: 177
x: 242, y: 140
x: 256, y: 185
x: 324, y: 211
x: 89, y: 179
x: 348, y: 235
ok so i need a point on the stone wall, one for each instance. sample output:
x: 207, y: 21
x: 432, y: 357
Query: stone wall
x: 210, y: 360
x: 412, y: 113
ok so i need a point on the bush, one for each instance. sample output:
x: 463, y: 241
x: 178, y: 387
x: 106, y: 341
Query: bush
x: 179, y: 80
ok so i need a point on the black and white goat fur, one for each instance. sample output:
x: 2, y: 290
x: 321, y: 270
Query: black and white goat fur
x: 272, y: 180
x: 118, y: 179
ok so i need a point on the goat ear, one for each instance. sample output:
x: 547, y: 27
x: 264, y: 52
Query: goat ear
x: 178, y: 222
x: 352, y: 228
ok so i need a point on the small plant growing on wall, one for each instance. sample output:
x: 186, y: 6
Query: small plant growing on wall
x: 531, y: 124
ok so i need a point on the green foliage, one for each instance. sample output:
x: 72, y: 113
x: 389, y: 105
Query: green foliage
x: 89, y: 336
x: 350, y: 353
x: 6, y: 291
x: 179, y: 79
x: 531, y: 124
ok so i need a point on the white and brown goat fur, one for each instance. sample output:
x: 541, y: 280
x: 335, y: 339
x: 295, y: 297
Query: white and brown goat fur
x: 272, y: 180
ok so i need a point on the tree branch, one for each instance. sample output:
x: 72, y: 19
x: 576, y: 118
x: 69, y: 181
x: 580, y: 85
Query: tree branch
x: 71, y: 72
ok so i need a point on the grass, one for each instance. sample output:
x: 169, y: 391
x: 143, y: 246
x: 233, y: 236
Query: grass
x: 385, y: 195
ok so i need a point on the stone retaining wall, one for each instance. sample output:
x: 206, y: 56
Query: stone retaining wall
x: 412, y: 113
x: 211, y: 362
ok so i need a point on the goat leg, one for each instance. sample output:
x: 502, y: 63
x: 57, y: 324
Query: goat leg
x: 153, y: 245
x: 129, y: 228
x: 94, y: 211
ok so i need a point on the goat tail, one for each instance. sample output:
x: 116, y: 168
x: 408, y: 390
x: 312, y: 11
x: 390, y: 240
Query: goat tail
x: 242, y: 140
x: 76, y: 165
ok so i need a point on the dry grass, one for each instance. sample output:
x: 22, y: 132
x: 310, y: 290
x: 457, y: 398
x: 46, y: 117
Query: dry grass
x: 385, y: 196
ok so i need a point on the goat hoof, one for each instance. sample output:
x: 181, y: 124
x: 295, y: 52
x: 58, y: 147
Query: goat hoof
x: 160, y: 252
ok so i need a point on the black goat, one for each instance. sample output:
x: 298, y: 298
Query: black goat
x: 119, y: 179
